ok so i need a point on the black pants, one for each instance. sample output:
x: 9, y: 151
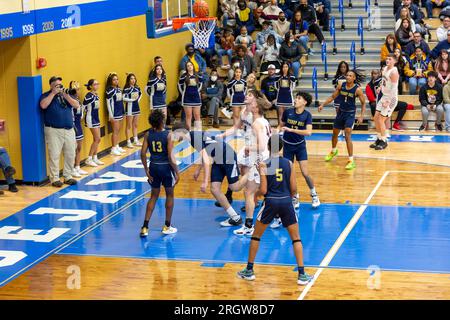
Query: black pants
x: 324, y: 19
x: 314, y: 28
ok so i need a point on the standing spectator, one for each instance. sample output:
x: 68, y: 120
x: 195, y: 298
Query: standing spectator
x: 431, y: 98
x: 417, y: 69
x: 404, y: 14
x: 299, y: 29
x: 114, y: 103
x: 131, y: 96
x: 59, y: 133
x: 78, y: 113
x: 236, y: 91
x: 404, y: 34
x: 226, y: 44
x: 190, y: 84
x: 388, y: 47
x: 229, y: 8
x: 441, y: 32
x: 372, y: 89
x: 446, y: 94
x: 290, y: 52
x: 417, y: 42
x: 244, y: 17
x: 285, y: 85
x: 268, y: 85
x: 269, y: 53
x: 401, y: 63
x: 195, y: 58
x: 309, y: 15
x: 91, y: 104
x: 212, y: 98
x: 272, y: 12
x: 8, y: 170
x: 157, y: 89
x: 442, y: 67
x: 246, y: 63
x: 445, y: 44
x: 430, y: 4
x: 323, y: 10
x: 281, y: 26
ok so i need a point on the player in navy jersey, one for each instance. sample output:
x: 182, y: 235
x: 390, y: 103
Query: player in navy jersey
x: 163, y: 169
x: 339, y: 78
x: 190, y: 84
x: 236, y: 91
x: 78, y: 113
x: 131, y: 96
x: 285, y: 85
x: 157, y: 89
x: 278, y: 185
x: 114, y: 103
x: 295, y: 125
x: 91, y: 105
x: 348, y: 91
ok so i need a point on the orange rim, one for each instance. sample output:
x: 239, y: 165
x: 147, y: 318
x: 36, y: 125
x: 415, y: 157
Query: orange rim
x: 178, y: 23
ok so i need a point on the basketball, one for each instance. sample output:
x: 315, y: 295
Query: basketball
x: 201, y: 9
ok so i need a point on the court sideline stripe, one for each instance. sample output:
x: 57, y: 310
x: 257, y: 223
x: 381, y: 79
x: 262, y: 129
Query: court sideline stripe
x: 340, y: 240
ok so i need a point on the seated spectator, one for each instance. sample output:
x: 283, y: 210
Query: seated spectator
x: 404, y: 14
x: 290, y: 52
x: 404, y: 34
x: 244, y: 17
x: 196, y: 59
x: 285, y: 5
x: 430, y: 4
x: 417, y: 42
x: 229, y: 8
x: 226, y: 47
x: 401, y: 63
x: 441, y: 32
x: 299, y: 29
x: 443, y: 45
x: 417, y: 69
x: 244, y: 39
x: 269, y: 54
x: 414, y: 12
x: 268, y: 85
x: 272, y: 12
x: 388, y: 47
x: 212, y: 94
x: 251, y: 82
x: 309, y: 15
x: 246, y: 63
x: 323, y: 10
x: 431, y: 98
x: 261, y: 37
x: 442, y: 67
x: 281, y: 26
x: 446, y: 95
x: 258, y: 18
x: 8, y: 170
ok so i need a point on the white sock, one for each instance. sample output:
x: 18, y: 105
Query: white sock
x: 128, y: 140
x: 379, y: 136
x: 95, y: 157
x: 333, y: 150
x: 117, y: 146
x: 136, y: 139
x: 313, y: 191
x: 232, y: 213
x: 350, y: 158
x: 384, y: 138
x: 89, y: 158
x: 77, y: 168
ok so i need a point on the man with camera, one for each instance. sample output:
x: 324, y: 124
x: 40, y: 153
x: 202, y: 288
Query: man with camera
x: 57, y: 106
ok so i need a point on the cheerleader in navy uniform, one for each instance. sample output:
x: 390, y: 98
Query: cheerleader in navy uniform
x: 190, y: 84
x: 157, y: 89
x: 236, y: 91
x: 74, y: 86
x: 91, y: 105
x: 131, y: 96
x: 285, y: 85
x: 114, y: 102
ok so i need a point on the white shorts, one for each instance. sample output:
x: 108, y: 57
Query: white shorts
x: 386, y: 112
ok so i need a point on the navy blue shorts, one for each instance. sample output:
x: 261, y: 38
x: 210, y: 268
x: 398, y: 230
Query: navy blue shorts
x: 297, y: 151
x: 220, y: 171
x: 273, y: 207
x: 344, y: 120
x: 162, y: 174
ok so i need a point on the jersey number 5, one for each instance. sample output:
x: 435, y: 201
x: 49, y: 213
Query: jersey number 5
x: 279, y: 175
x: 157, y: 146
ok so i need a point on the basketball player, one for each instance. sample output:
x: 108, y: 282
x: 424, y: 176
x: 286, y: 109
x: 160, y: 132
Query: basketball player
x: 278, y: 185
x: 387, y: 100
x: 163, y: 169
x: 346, y: 113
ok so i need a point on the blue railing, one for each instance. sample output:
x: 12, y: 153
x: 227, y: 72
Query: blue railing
x: 325, y: 61
x: 314, y: 86
x: 361, y: 33
x: 341, y: 10
x: 353, y: 54
x: 333, y: 34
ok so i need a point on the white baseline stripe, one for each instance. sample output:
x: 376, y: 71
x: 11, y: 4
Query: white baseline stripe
x: 334, y: 249
x: 419, y: 172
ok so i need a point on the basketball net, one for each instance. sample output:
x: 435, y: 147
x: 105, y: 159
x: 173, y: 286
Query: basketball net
x: 201, y: 29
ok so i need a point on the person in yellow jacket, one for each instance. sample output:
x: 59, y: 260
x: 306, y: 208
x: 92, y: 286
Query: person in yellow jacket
x: 389, y: 46
x: 416, y: 70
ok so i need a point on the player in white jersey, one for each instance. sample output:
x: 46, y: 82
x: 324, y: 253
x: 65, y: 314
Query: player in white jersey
x: 387, y: 100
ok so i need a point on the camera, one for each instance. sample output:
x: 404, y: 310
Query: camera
x: 70, y: 92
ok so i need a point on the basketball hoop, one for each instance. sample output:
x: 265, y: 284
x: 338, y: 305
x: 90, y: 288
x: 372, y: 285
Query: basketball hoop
x: 201, y: 29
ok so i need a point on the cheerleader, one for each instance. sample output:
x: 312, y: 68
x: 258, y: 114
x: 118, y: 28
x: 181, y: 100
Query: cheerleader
x: 115, y: 110
x: 285, y: 85
x: 190, y: 84
x: 131, y: 96
x: 157, y: 89
x: 91, y: 105
x: 236, y: 91
x: 74, y: 86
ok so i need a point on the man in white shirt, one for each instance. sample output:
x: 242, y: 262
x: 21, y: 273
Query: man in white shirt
x: 441, y: 32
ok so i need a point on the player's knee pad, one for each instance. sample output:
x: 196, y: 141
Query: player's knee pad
x: 294, y: 241
x: 255, y: 238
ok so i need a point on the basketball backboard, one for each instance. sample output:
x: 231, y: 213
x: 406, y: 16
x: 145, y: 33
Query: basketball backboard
x: 161, y: 12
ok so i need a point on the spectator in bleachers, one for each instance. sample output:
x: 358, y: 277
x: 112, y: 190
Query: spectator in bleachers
x: 443, y: 45
x: 417, y: 42
x: 212, y: 94
x: 430, y: 4
x: 441, y: 32
x: 389, y: 46
x: 404, y: 34
x: 446, y: 95
x: 431, y: 99
x: 417, y: 69
x: 189, y: 85
x: 414, y: 12
x: 299, y: 29
x: 371, y: 89
x: 281, y: 26
x: 228, y: 8
x: 269, y: 54
x: 272, y: 11
x: 290, y: 52
x: 309, y: 15
x: 8, y: 170
x: 226, y: 47
x: 323, y: 10
x: 251, y: 82
x: 401, y: 63
x: 285, y: 5
x: 268, y: 85
x: 442, y: 67
x: 397, y: 4
x: 258, y: 18
x: 404, y: 14
x: 208, y: 53
x: 197, y: 61
x: 261, y: 37
x: 244, y: 17
x: 246, y: 63
x: 244, y: 39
